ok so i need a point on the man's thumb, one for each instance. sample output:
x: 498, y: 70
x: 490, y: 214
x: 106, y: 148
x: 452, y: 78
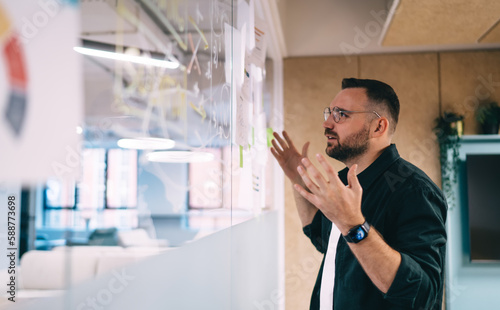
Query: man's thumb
x: 352, y: 177
x: 304, y: 149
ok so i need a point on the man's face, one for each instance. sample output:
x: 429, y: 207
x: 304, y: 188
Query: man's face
x: 349, y: 138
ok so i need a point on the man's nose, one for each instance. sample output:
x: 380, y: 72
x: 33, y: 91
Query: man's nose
x: 329, y: 123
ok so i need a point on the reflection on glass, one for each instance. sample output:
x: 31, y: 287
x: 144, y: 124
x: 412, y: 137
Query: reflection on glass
x: 172, y: 73
x: 60, y: 194
x: 121, y: 179
x: 205, y: 181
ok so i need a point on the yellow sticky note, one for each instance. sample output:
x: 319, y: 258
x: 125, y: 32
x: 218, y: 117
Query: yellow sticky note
x: 4, y: 22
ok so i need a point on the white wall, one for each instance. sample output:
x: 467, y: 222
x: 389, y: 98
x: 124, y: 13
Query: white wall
x: 236, y: 268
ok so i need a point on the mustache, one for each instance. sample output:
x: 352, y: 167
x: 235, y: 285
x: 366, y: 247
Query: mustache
x: 329, y: 132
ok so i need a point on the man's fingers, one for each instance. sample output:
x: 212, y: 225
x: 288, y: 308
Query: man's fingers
x: 311, y: 170
x: 352, y: 178
x: 288, y: 140
x: 275, y: 154
x: 307, y: 180
x: 277, y: 147
x: 330, y: 172
x: 279, y: 158
x: 304, y: 149
x: 280, y: 140
x: 307, y: 195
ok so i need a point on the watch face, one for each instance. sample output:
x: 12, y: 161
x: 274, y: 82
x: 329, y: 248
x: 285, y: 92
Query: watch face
x: 359, y: 234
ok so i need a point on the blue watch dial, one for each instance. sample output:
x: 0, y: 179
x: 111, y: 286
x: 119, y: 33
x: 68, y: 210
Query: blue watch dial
x: 357, y: 233
x: 360, y: 234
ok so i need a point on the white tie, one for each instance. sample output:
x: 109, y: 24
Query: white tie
x: 328, y: 276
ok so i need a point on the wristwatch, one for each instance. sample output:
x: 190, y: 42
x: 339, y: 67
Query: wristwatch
x: 357, y: 233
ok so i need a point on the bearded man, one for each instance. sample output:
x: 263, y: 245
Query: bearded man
x: 391, y: 216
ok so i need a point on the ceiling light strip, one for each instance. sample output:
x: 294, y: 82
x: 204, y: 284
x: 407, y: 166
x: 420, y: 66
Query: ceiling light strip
x: 146, y: 143
x: 128, y: 58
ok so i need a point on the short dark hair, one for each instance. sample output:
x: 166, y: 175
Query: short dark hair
x: 377, y: 92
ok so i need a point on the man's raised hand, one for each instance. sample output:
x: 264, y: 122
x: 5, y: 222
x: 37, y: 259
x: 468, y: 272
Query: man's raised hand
x: 287, y: 156
x: 339, y: 203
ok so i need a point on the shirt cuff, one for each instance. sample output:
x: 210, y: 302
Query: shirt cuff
x: 314, y: 232
x: 406, y: 285
x: 314, y: 226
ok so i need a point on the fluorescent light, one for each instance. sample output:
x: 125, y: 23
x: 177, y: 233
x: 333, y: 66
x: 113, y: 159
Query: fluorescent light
x: 146, y: 143
x: 129, y: 58
x: 180, y: 157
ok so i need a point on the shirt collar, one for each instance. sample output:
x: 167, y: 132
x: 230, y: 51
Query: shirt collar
x: 370, y: 174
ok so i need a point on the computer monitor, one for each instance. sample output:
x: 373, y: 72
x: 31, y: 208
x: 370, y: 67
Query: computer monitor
x: 483, y: 189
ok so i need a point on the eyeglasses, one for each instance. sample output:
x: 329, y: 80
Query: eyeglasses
x: 340, y: 115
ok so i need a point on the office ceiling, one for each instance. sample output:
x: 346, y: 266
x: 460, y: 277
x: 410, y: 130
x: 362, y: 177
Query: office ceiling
x: 127, y: 100
x: 308, y: 28
x: 346, y: 27
x: 428, y: 22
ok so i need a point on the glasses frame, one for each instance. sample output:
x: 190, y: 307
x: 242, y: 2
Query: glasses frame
x: 336, y: 111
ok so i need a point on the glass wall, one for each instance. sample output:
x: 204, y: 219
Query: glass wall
x: 159, y: 146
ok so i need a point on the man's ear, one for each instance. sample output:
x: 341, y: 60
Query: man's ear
x: 379, y: 127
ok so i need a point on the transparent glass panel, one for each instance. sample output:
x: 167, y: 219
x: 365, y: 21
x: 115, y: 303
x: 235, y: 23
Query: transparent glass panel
x: 176, y: 99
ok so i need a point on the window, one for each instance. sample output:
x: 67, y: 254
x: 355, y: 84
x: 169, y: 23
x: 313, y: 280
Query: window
x: 104, y: 196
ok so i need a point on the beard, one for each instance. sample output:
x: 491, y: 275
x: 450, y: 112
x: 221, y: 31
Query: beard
x: 354, y: 145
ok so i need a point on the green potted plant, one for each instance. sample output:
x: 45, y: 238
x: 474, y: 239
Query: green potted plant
x: 488, y: 116
x: 448, y: 130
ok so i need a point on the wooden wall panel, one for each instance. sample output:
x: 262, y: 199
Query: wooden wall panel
x: 310, y: 84
x: 467, y: 79
x: 414, y: 77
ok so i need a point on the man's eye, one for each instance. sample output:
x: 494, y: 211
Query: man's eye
x: 342, y: 114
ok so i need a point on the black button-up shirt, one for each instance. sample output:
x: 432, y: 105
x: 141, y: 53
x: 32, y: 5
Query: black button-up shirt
x: 409, y: 211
